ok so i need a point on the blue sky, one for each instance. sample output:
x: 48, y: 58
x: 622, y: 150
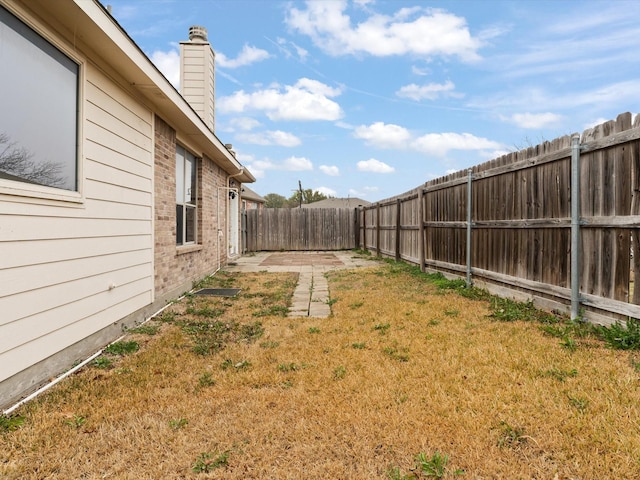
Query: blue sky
x: 371, y: 98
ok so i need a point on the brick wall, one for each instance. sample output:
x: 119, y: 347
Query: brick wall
x: 176, y: 267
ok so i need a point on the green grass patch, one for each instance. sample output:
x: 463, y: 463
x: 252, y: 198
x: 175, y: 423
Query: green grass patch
x: 382, y: 328
x: 561, y: 375
x: 206, y: 462
x: 122, y: 348
x: 273, y: 310
x: 10, y: 423
x: 212, y: 337
x: 103, y: 363
x: 622, y: 337
x: 145, y: 329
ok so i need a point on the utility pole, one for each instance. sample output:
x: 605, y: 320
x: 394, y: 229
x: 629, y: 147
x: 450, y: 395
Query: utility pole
x: 300, y: 187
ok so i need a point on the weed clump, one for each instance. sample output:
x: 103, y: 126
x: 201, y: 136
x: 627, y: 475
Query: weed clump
x: 433, y: 467
x: 10, y: 423
x: 122, y: 348
x: 103, y: 363
x: 561, y: 375
x: 511, y: 437
x: 622, y: 337
x: 508, y: 310
x: 211, y: 337
x: 145, y: 329
x: 207, y: 462
x: 178, y: 423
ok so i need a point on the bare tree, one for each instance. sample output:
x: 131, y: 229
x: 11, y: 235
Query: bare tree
x: 18, y: 162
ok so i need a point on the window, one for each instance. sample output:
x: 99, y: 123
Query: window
x: 186, y: 194
x: 39, y: 99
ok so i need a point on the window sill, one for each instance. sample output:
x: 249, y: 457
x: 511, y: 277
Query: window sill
x: 182, y: 249
x: 30, y: 193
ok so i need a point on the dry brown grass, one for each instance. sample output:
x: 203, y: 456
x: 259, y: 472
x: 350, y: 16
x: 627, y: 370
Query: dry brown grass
x: 400, y: 368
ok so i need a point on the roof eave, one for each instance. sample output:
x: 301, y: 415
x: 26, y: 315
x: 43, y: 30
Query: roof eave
x: 96, y: 28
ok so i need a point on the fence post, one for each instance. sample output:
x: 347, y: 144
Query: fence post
x: 469, y: 225
x: 398, y: 210
x: 575, y: 226
x: 364, y: 228
x: 421, y: 229
x: 378, y: 253
x: 356, y: 227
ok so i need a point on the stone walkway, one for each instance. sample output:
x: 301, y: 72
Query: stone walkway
x: 311, y: 296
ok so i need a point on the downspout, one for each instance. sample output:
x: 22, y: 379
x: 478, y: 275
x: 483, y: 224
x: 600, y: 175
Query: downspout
x: 237, y: 191
x: 226, y: 190
x: 229, y: 177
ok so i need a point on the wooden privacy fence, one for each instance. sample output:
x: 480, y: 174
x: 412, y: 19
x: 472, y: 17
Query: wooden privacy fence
x: 301, y: 229
x: 507, y: 224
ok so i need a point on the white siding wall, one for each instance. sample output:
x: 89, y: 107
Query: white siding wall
x: 197, y: 81
x: 69, y: 270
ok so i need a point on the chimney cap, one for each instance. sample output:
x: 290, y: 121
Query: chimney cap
x: 197, y: 32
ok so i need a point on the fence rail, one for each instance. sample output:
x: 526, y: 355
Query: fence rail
x: 507, y: 223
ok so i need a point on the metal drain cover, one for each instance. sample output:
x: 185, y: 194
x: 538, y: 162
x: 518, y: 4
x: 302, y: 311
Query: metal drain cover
x: 219, y: 292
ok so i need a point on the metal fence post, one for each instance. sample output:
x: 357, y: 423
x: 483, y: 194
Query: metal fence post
x: 469, y: 225
x: 421, y: 230
x: 575, y: 226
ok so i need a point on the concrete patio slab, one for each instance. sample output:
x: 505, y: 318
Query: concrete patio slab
x: 311, y: 297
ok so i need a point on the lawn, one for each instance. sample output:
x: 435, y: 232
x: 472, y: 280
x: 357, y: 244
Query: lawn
x: 407, y: 379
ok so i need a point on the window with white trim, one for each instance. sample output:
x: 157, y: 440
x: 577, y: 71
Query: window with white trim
x: 186, y: 196
x: 39, y: 101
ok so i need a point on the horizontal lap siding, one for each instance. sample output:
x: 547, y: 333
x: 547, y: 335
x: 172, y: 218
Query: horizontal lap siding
x: 60, y: 260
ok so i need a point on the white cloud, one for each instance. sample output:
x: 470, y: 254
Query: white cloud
x: 344, y: 125
x: 244, y: 123
x: 259, y: 167
x: 314, y: 86
x: 329, y: 192
x: 439, y: 144
x: 595, y: 123
x: 306, y: 100
x: 536, y: 120
x: 424, y: 32
x: 364, y: 192
x: 270, y: 137
x: 302, y: 53
x: 617, y: 95
x: 247, y: 56
x: 421, y: 72
x: 169, y: 64
x: 232, y: 79
x: 297, y: 164
x: 430, y: 91
x: 383, y: 135
x: 375, y: 166
x: 285, y: 46
x: 330, y: 170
